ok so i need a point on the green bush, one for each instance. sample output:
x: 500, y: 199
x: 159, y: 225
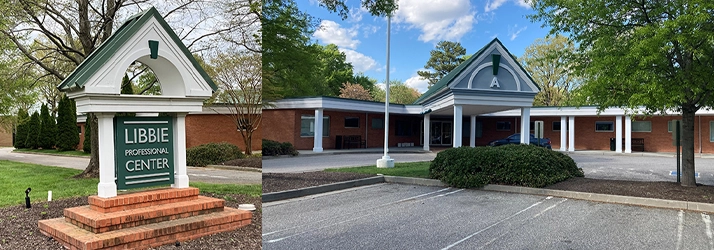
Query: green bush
x: 520, y: 165
x: 212, y: 153
x: 271, y: 148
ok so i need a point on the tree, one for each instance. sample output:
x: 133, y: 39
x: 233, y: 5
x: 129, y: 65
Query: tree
x: 67, y: 135
x: 335, y: 70
x: 49, y: 128
x: 354, y: 91
x: 365, y: 81
x: 239, y: 77
x: 444, y: 59
x: 87, y: 143
x: 653, y: 54
x: 544, y: 60
x: 126, y: 87
x: 399, y: 93
x: 21, y: 128
x: 34, y: 131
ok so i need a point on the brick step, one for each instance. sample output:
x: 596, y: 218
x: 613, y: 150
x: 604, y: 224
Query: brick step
x: 142, y: 199
x: 98, y: 222
x: 146, y: 236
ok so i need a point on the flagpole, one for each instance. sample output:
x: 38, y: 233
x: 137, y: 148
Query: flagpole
x: 386, y: 162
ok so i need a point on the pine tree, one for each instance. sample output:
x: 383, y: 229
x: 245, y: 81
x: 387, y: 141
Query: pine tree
x: 67, y: 135
x: 126, y: 87
x: 34, y: 128
x: 49, y: 128
x: 87, y: 144
x: 21, y: 132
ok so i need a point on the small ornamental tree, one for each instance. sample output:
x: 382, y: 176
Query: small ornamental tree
x: 21, y: 131
x: 49, y: 128
x: 67, y: 135
x: 87, y: 144
x: 34, y: 130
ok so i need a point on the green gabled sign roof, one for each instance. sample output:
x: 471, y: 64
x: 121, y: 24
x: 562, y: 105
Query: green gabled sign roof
x: 79, y: 77
x: 446, y: 80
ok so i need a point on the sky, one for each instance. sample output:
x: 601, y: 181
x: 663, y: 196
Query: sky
x: 417, y: 26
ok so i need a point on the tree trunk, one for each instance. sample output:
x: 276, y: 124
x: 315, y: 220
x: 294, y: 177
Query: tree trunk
x: 248, y: 139
x: 687, y: 136
x: 92, y: 170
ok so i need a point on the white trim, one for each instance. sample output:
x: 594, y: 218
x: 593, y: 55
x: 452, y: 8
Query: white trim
x: 618, y: 134
x: 482, y: 66
x: 628, y: 134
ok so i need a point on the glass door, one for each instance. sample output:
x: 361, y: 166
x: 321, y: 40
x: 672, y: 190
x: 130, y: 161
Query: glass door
x: 440, y: 133
x: 435, y: 133
x: 447, y: 132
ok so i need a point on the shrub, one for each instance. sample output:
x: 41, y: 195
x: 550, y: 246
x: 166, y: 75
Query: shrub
x: 520, y: 165
x: 49, y: 128
x: 212, y: 153
x: 271, y: 148
x: 34, y: 131
x: 67, y: 134
x: 22, y: 127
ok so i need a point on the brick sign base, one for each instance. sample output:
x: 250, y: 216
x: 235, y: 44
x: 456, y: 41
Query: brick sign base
x: 143, y: 220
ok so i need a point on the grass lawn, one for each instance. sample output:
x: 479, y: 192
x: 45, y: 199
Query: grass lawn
x: 15, y: 177
x: 406, y: 169
x: 52, y: 152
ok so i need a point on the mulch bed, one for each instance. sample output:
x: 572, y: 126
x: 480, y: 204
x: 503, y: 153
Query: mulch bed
x: 250, y: 162
x: 275, y: 182
x: 659, y: 190
x: 18, y: 226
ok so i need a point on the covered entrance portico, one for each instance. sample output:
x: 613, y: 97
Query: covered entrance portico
x: 474, y: 88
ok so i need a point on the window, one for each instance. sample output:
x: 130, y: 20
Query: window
x: 351, y: 122
x: 532, y: 125
x: 503, y: 126
x: 641, y: 126
x: 377, y: 123
x: 711, y: 132
x: 404, y: 128
x: 604, y: 126
x: 479, y: 129
x: 307, y: 126
x: 670, y: 125
x: 556, y: 126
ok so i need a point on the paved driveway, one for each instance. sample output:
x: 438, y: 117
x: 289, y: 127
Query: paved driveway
x: 323, y: 161
x: 393, y: 216
x: 194, y: 174
x: 639, y: 168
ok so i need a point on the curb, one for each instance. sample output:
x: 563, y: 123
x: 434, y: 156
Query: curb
x: 236, y: 168
x: 289, y: 194
x: 604, y: 198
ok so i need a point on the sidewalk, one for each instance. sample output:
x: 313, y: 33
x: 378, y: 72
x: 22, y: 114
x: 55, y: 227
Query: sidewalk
x: 395, y: 150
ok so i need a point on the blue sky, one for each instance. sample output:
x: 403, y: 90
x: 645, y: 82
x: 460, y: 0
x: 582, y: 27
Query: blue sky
x: 417, y: 27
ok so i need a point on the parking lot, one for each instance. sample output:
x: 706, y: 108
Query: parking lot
x: 394, y: 216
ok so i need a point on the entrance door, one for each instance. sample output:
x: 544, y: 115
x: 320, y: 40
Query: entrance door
x: 440, y: 134
x: 435, y: 133
x: 447, y: 132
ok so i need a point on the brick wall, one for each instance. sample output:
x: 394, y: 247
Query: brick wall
x: 207, y: 128
x: 5, y: 137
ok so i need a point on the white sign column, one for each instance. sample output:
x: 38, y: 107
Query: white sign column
x: 525, y: 125
x: 317, y: 145
x: 180, y: 174
x: 571, y: 133
x: 618, y: 134
x: 563, y: 132
x: 628, y: 134
x: 472, y: 137
x: 458, y: 126
x: 107, y: 188
x: 427, y: 130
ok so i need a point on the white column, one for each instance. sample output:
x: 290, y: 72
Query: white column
x: 571, y: 133
x: 458, y: 126
x: 628, y: 134
x: 472, y: 136
x: 180, y: 174
x: 618, y: 134
x: 563, y: 132
x: 317, y: 145
x: 427, y: 131
x: 107, y: 187
x: 525, y: 125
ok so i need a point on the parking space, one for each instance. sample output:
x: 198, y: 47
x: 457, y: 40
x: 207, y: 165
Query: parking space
x: 394, y: 216
x: 640, y: 168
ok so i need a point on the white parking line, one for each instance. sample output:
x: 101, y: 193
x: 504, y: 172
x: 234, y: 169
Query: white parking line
x: 708, y: 224
x: 680, y: 228
x: 359, y: 211
x: 493, y: 225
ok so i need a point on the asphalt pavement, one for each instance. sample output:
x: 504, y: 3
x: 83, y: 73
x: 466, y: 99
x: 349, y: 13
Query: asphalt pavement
x: 317, y: 162
x: 395, y: 216
x: 208, y: 175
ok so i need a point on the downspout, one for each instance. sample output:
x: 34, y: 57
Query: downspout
x: 700, y: 136
x: 366, y: 124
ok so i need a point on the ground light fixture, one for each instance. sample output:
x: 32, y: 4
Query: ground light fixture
x: 249, y: 207
x: 385, y: 161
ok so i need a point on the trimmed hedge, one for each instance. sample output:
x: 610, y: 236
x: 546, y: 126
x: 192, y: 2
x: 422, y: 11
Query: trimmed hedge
x: 272, y: 148
x: 519, y: 165
x: 212, y: 153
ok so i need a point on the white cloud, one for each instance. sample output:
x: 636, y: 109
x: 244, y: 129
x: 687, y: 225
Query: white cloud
x: 360, y: 62
x: 331, y: 32
x: 422, y: 85
x: 356, y: 15
x: 438, y: 20
x: 492, y: 5
x: 514, y: 31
